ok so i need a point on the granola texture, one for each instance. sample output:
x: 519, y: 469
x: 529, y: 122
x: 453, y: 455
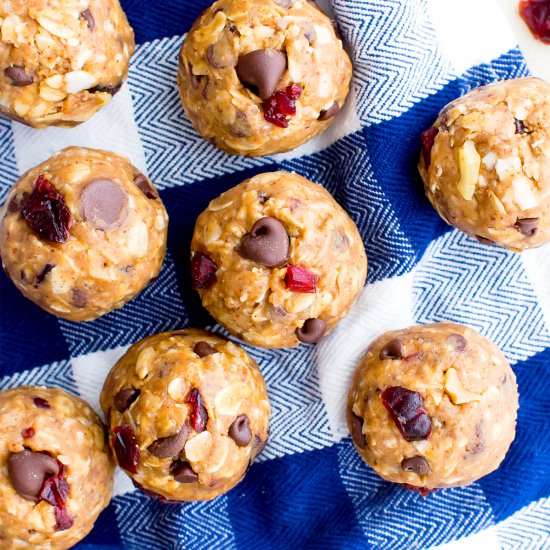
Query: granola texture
x: 116, y: 237
x: 258, y: 303
x: 468, y: 390
x: 488, y: 172
x: 67, y: 430
x: 227, y: 110
x: 61, y: 62
x: 197, y: 408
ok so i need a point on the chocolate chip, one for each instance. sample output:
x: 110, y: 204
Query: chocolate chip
x: 484, y: 240
x: 457, y: 341
x: 42, y: 275
x: 183, y: 472
x: 332, y: 111
x: 202, y: 349
x: 241, y: 125
x: 312, y: 331
x: 392, y: 350
x: 357, y: 431
x: 146, y: 187
x: 221, y: 55
x: 262, y: 197
x: 113, y: 90
x: 27, y: 471
x: 417, y: 464
x: 521, y: 128
x: 79, y: 298
x: 267, y: 243
x: 89, y: 18
x: 262, y: 69
x: 19, y: 76
x: 166, y: 447
x: 104, y: 204
x: 124, y: 398
x: 41, y: 403
x: 527, y: 226
x: 239, y: 431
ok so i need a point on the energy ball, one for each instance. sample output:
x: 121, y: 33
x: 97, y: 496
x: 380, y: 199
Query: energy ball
x: 486, y: 163
x: 61, y: 62
x: 82, y: 233
x: 433, y: 406
x: 259, y: 77
x: 56, y: 471
x: 188, y: 412
x: 277, y: 261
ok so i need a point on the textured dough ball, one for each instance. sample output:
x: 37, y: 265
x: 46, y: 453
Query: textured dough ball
x: 60, y: 62
x: 82, y: 233
x: 262, y: 76
x: 277, y: 261
x: 188, y: 412
x: 50, y: 442
x: 433, y: 406
x: 486, y: 163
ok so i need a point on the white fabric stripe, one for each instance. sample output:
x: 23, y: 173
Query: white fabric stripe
x: 537, y: 266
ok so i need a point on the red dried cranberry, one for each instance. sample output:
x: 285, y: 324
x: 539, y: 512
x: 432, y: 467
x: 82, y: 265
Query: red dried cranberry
x: 300, y: 279
x: 406, y: 408
x: 41, y: 403
x: 422, y: 491
x: 27, y: 433
x: 63, y: 519
x: 536, y: 13
x: 126, y: 448
x: 199, y: 415
x: 46, y: 212
x: 281, y: 105
x: 203, y: 271
x: 55, y: 491
x: 428, y: 139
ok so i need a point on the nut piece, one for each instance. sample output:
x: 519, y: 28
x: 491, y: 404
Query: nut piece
x: 469, y: 163
x: 456, y: 391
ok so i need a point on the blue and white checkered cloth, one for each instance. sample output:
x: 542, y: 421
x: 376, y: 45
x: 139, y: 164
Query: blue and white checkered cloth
x: 310, y: 489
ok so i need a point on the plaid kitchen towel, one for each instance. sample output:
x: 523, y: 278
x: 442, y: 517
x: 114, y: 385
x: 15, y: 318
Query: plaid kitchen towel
x: 309, y: 488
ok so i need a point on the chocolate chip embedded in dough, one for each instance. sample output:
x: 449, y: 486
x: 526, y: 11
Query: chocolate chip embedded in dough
x: 27, y: 471
x: 457, y: 341
x: 202, y: 349
x: 89, y: 18
x: 113, y: 90
x: 312, y: 331
x: 357, y: 431
x: 332, y: 111
x: 484, y: 240
x: 124, y: 398
x: 104, y: 204
x: 19, y: 76
x: 262, y: 69
x: 183, y: 472
x: 166, y: 447
x: 221, y: 55
x: 392, y: 350
x: 79, y: 298
x: 521, y: 127
x: 146, y: 187
x: 239, y: 431
x: 417, y: 464
x: 267, y: 243
x: 527, y: 226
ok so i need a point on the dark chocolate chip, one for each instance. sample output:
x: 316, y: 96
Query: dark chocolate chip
x: 124, y: 398
x: 392, y: 350
x: 262, y: 69
x: 527, y: 226
x: 89, y: 18
x: 267, y: 243
x: 27, y: 471
x: 239, y: 431
x: 104, y: 204
x: 172, y: 445
x: 521, y: 128
x: 202, y: 349
x: 19, y: 76
x: 146, y: 187
x: 79, y: 298
x: 332, y: 111
x: 42, y: 275
x: 312, y: 331
x: 262, y: 197
x: 457, y: 341
x: 484, y: 240
x: 417, y: 464
x: 357, y: 431
x: 183, y: 472
x: 113, y: 90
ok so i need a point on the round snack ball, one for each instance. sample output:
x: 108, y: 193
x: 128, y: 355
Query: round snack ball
x: 56, y: 470
x: 433, y: 406
x: 259, y: 77
x: 60, y: 62
x: 188, y: 412
x: 277, y: 261
x: 82, y: 233
x: 486, y: 163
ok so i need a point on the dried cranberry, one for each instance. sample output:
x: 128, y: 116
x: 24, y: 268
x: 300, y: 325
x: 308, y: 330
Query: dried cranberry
x: 203, y: 271
x: 41, y: 403
x: 126, y: 448
x: 406, y: 408
x: 536, y: 13
x: 422, y: 491
x: 46, y: 212
x: 281, y: 105
x: 300, y: 279
x: 27, y: 433
x: 63, y: 519
x: 55, y: 491
x: 199, y: 415
x: 428, y: 139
